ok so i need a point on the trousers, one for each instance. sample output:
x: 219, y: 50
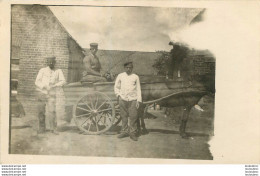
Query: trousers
x: 129, y: 115
x: 49, y: 102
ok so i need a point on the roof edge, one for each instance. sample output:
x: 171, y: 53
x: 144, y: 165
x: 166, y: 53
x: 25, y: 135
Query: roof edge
x: 87, y: 49
x: 63, y: 26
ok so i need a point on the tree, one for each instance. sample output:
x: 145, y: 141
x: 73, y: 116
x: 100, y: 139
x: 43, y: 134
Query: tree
x: 169, y: 63
x: 161, y: 63
x: 178, y: 53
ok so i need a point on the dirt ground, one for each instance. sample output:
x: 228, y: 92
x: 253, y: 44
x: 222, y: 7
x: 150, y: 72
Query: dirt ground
x: 163, y: 140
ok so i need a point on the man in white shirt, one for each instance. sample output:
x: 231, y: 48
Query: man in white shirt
x: 128, y: 91
x: 49, y: 80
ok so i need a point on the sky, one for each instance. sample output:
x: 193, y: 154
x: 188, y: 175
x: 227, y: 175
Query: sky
x: 124, y: 28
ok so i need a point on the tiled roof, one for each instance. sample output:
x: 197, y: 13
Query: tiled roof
x: 113, y: 60
x: 205, y: 53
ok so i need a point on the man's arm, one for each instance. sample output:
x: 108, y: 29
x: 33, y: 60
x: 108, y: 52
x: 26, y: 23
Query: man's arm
x: 87, y: 66
x: 117, y: 86
x: 138, y: 89
x: 38, y: 81
x: 62, y: 80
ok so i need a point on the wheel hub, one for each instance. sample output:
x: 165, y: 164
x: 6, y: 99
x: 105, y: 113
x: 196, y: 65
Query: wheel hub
x: 94, y: 112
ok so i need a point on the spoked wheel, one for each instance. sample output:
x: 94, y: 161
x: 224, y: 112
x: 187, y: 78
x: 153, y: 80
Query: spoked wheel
x: 94, y: 113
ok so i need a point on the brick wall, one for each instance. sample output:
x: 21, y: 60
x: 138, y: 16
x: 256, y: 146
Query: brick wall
x: 203, y: 65
x: 38, y: 34
x: 75, y: 61
x: 202, y: 61
x: 203, y: 70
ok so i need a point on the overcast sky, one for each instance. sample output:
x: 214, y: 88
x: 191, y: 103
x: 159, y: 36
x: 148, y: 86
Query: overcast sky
x: 124, y: 28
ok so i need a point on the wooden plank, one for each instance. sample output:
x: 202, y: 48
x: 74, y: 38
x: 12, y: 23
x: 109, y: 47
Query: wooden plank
x: 74, y: 93
x: 78, y: 89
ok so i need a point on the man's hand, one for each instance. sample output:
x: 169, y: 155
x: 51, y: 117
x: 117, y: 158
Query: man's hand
x: 84, y: 73
x: 47, y: 87
x: 53, y: 86
x: 137, y: 104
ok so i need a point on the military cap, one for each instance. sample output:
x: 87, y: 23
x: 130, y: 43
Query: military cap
x: 93, y: 45
x: 50, y: 58
x: 127, y: 63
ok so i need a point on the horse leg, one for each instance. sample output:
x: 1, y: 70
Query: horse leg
x: 140, y: 122
x: 140, y: 115
x: 184, y: 121
x: 144, y: 130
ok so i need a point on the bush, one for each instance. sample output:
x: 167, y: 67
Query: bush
x: 161, y: 63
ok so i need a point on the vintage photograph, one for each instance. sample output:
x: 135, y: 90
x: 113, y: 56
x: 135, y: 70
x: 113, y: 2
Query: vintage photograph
x: 105, y: 81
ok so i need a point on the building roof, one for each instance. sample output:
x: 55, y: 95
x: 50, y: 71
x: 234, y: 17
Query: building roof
x: 113, y: 60
x: 199, y: 17
x: 205, y: 53
x: 19, y: 29
x: 63, y: 27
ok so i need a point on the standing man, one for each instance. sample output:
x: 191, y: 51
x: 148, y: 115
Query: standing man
x: 49, y: 80
x: 128, y: 91
x: 92, y: 66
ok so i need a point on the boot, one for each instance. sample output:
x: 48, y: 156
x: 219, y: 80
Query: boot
x: 133, y: 136
x: 55, y: 132
x: 139, y: 132
x: 122, y: 135
x: 42, y: 126
x: 144, y: 131
x: 183, y: 134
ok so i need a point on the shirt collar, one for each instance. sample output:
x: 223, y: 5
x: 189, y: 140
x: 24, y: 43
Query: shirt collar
x: 130, y: 74
x: 93, y: 55
x: 49, y: 69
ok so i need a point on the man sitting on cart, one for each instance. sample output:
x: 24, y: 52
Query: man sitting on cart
x: 92, y: 66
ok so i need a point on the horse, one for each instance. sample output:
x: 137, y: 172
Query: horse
x: 170, y: 94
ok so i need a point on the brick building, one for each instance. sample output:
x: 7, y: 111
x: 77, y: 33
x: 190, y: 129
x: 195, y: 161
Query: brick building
x: 203, y: 62
x: 36, y: 34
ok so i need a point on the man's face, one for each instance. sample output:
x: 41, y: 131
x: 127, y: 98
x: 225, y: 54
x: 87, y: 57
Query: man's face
x: 93, y: 50
x: 129, y: 68
x: 51, y: 63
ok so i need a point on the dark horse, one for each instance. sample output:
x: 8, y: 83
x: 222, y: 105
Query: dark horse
x: 172, y: 94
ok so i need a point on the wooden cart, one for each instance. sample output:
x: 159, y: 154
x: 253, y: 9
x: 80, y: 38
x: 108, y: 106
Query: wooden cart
x: 95, y: 108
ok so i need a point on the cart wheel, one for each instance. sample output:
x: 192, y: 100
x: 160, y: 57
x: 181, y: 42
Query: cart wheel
x: 94, y: 113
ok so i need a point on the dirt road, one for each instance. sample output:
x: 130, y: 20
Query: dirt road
x: 163, y: 140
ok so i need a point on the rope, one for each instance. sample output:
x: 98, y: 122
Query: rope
x: 159, y: 99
